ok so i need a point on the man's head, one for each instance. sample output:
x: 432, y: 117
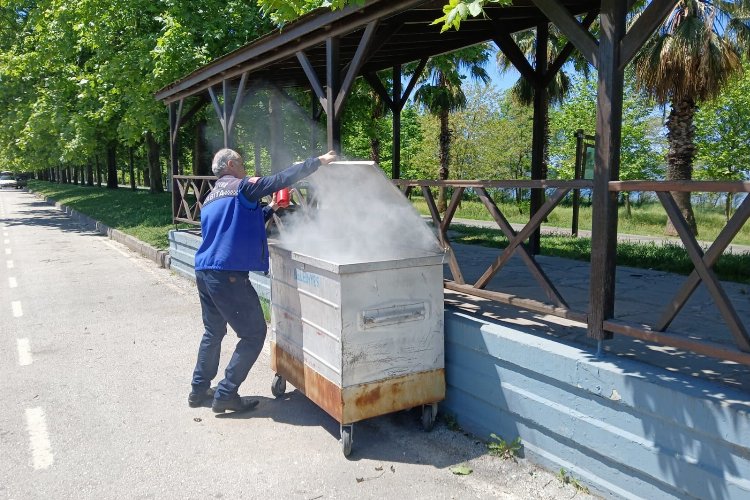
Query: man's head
x: 228, y: 162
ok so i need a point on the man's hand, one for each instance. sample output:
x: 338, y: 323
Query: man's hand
x: 328, y: 157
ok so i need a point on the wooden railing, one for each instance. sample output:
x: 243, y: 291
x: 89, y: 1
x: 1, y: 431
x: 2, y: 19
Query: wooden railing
x: 188, y: 196
x: 192, y: 190
x: 703, y: 263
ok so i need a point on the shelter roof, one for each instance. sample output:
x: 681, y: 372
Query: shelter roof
x: 404, y: 33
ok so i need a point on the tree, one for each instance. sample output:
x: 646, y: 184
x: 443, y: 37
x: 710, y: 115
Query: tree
x: 641, y: 149
x: 722, y: 136
x: 689, y: 60
x: 440, y: 93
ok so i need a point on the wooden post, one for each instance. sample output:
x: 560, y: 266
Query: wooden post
x: 606, y: 168
x: 577, y: 174
x: 333, y: 84
x: 174, y: 153
x: 541, y: 103
x: 396, y: 110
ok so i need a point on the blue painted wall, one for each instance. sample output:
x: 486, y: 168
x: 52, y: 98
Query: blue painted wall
x: 624, y: 428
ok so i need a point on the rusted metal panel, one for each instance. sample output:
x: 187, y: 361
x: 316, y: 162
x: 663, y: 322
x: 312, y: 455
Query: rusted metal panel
x: 355, y: 403
x: 394, y: 394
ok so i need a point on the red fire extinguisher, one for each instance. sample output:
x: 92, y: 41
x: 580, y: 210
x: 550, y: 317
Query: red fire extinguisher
x: 283, y: 197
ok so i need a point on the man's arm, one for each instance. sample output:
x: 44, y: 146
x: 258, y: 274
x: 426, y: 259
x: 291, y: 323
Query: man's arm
x: 255, y: 188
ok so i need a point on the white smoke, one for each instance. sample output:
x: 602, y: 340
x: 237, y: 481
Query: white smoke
x: 357, y: 215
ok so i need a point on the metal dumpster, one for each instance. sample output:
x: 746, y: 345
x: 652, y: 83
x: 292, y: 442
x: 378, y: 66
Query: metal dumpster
x: 358, y: 339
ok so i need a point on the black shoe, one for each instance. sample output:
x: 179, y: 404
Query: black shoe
x: 195, y: 399
x: 237, y: 403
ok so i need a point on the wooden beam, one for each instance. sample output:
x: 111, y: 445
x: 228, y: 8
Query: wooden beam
x: 522, y: 235
x: 333, y: 124
x: 679, y: 341
x: 567, y: 23
x: 396, y: 110
x: 239, y: 97
x: 648, y: 22
x: 412, y: 82
x: 539, y: 128
x: 510, y: 49
x: 721, y: 242
x: 356, y: 64
x: 374, y: 80
x: 536, y: 271
x: 279, y: 46
x: 312, y: 77
x: 217, y: 106
x: 509, y: 184
x: 520, y: 303
x: 607, y: 168
x: 688, y: 186
x: 565, y: 53
x: 707, y: 276
x: 177, y: 119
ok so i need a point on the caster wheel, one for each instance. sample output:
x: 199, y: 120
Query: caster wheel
x: 429, y: 412
x: 278, y: 386
x: 346, y: 440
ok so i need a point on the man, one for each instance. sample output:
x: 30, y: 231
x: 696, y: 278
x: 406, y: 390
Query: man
x: 234, y: 243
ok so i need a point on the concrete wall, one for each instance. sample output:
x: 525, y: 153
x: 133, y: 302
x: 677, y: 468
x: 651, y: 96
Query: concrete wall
x: 624, y: 428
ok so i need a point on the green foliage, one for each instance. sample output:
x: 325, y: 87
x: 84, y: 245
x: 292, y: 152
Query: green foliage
x: 723, y: 133
x: 456, y: 11
x: 566, y: 478
x: 283, y: 11
x: 498, y: 447
x: 642, y: 149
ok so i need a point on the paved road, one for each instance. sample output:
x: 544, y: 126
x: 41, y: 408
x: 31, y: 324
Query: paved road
x: 96, y: 350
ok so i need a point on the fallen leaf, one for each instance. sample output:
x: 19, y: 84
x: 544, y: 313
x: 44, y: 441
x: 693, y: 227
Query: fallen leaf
x: 461, y: 470
x: 197, y: 419
x: 379, y: 468
x: 393, y: 469
x: 360, y: 479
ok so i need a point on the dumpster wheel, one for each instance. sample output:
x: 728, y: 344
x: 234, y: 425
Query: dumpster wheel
x: 278, y: 386
x: 429, y: 413
x: 346, y: 439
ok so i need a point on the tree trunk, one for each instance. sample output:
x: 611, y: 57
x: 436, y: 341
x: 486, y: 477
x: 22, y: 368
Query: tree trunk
x: 728, y: 206
x: 626, y: 195
x: 154, y: 167
x: 64, y: 175
x: 131, y: 167
x: 445, y: 143
x: 98, y: 171
x: 680, y: 135
x: 146, y: 177
x: 280, y: 158
x: 112, y: 165
x: 256, y: 154
x: 89, y: 174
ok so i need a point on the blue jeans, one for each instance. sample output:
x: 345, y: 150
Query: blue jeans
x: 228, y: 297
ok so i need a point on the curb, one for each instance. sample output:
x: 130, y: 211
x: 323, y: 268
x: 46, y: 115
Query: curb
x: 161, y: 257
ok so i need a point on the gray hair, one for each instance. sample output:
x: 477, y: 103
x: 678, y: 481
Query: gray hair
x: 221, y: 160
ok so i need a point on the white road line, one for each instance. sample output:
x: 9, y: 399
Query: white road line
x: 9, y: 263
x: 7, y: 251
x: 17, y: 309
x: 24, y: 352
x: 6, y: 242
x: 12, y: 283
x: 41, y: 449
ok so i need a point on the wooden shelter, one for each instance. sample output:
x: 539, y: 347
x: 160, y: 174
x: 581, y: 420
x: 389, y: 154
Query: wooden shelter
x: 326, y: 51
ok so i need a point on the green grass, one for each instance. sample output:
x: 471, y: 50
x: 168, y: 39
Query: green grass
x: 145, y: 216
x: 668, y: 257
x: 648, y: 219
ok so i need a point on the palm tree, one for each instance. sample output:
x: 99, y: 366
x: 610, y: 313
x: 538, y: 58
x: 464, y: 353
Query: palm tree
x: 440, y: 93
x: 694, y: 53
